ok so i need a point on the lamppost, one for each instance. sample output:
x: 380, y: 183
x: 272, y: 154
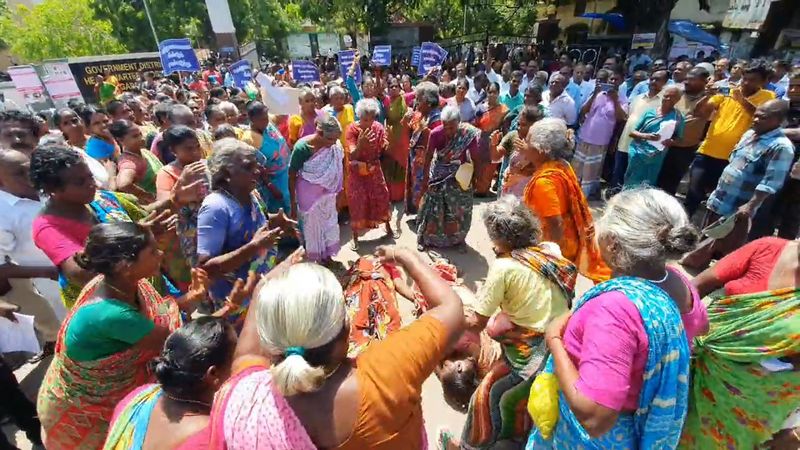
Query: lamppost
x: 150, y: 19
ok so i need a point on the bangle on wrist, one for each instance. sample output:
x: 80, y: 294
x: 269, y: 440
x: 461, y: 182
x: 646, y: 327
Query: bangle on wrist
x: 796, y: 434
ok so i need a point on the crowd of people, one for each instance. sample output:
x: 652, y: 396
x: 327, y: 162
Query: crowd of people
x: 176, y: 245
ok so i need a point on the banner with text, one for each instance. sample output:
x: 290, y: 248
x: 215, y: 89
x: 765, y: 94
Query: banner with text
x: 382, y: 55
x: 415, y: 57
x: 305, y: 71
x: 177, y: 55
x: 127, y: 69
x: 60, y: 82
x: 242, y: 73
x: 431, y: 55
x: 346, y: 58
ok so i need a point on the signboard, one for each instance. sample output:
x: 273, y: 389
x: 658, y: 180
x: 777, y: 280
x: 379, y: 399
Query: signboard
x: 587, y: 54
x: 305, y: 71
x: 126, y: 68
x: 747, y: 14
x: 382, y: 55
x: 346, y: 58
x: 28, y: 84
x: 431, y: 55
x: 177, y: 55
x: 643, y: 40
x: 415, y: 57
x: 242, y: 73
x: 59, y: 82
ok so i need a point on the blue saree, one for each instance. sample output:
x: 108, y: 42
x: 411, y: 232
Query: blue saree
x: 663, y: 401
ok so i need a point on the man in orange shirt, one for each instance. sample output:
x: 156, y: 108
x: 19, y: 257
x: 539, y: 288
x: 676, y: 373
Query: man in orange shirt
x: 734, y: 114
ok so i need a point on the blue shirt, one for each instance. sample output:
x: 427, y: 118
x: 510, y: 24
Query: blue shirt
x: 224, y: 225
x: 778, y: 89
x: 574, y: 91
x: 638, y: 60
x: 758, y: 163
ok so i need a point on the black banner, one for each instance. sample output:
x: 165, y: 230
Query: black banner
x: 126, y: 68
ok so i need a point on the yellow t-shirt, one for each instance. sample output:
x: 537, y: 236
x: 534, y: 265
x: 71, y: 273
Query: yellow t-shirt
x: 730, y: 123
x: 528, y: 298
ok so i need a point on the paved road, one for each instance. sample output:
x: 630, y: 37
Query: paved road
x: 472, y: 266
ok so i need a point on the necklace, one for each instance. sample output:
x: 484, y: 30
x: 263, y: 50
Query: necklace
x: 186, y: 400
x: 666, y: 275
x: 122, y: 293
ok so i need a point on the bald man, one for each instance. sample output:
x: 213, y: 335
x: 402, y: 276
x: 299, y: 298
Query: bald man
x: 757, y: 170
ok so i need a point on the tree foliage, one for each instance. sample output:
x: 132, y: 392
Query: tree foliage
x: 356, y: 15
x: 171, y: 18
x: 508, y: 17
x: 57, y: 29
x: 266, y: 22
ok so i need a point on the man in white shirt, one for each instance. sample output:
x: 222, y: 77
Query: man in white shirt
x: 530, y: 75
x: 558, y: 102
x: 27, y: 277
x: 504, y: 79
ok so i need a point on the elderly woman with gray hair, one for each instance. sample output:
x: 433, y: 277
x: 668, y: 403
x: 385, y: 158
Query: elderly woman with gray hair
x: 234, y: 234
x: 554, y: 195
x: 367, y: 193
x: 446, y: 212
x: 315, y: 177
x: 621, y: 357
x: 425, y: 118
x: 530, y: 284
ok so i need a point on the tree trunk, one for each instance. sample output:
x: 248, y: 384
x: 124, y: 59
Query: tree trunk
x: 661, y: 47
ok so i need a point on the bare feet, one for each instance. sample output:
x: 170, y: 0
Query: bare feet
x: 390, y: 232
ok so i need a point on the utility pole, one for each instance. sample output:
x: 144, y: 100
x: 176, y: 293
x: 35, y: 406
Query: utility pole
x: 150, y: 19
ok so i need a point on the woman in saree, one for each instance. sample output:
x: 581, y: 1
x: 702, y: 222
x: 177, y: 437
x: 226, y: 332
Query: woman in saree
x: 618, y: 371
x: 74, y: 131
x: 75, y: 204
x: 314, y: 396
x: 235, y: 233
x: 396, y: 158
x: 345, y: 114
x: 446, y: 212
x: 116, y: 326
x: 181, y: 141
x: 303, y: 124
x: 173, y: 413
x: 745, y: 377
x: 272, y: 153
x: 651, y: 137
x: 515, y: 175
x: 530, y: 287
x: 489, y: 118
x: 555, y: 197
x: 315, y: 178
x: 136, y: 166
x: 367, y: 193
x: 421, y: 123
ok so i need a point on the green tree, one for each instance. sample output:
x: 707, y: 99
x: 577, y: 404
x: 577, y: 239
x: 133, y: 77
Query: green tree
x: 171, y: 18
x: 266, y: 22
x: 511, y: 17
x: 57, y: 29
x: 356, y: 15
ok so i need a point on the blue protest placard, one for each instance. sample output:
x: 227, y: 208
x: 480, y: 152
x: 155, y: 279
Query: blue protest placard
x: 242, y: 73
x: 415, y: 57
x: 305, y: 71
x: 177, y: 55
x: 346, y: 58
x: 431, y: 54
x: 382, y: 55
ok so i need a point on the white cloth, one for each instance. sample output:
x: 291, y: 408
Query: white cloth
x: 562, y: 107
x: 636, y: 110
x: 18, y: 336
x: 16, y: 242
